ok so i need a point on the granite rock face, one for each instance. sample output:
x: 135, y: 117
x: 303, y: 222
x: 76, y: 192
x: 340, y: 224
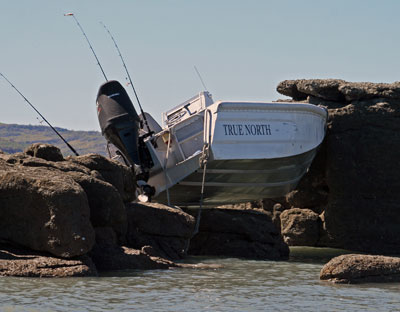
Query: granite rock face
x: 360, y: 169
x: 238, y: 233
x: 354, y: 268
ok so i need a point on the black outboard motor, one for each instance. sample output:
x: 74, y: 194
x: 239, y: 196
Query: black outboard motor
x: 119, y: 124
x: 119, y: 121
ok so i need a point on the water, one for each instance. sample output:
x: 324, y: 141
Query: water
x: 241, y: 285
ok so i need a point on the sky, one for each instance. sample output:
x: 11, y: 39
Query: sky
x: 242, y: 50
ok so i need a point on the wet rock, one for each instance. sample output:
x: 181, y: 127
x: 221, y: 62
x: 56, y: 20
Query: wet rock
x: 45, y: 151
x: 113, y: 172
x: 44, y: 210
x: 15, y: 261
x: 166, y: 229
x: 300, y: 227
x: 110, y: 258
x: 238, y: 233
x: 354, y: 268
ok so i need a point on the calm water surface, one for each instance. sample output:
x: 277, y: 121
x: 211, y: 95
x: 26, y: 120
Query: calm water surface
x: 241, y: 285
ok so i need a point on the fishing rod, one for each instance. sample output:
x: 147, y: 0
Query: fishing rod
x: 201, y: 79
x: 65, y: 141
x: 129, y: 76
x: 90, y: 46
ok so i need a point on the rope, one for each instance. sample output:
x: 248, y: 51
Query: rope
x: 165, y: 169
x: 203, y: 164
x: 205, y: 155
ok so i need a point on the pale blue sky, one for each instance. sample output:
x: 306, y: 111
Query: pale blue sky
x: 243, y: 49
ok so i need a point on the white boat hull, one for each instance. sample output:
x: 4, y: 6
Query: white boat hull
x: 257, y: 150
x: 235, y: 181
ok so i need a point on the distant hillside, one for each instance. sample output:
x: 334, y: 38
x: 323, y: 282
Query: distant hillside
x: 15, y: 138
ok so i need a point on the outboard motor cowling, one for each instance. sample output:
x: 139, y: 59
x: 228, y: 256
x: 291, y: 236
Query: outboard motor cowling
x: 119, y: 121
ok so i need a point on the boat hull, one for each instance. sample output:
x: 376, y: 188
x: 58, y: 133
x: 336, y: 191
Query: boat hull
x: 240, y: 180
x: 255, y: 150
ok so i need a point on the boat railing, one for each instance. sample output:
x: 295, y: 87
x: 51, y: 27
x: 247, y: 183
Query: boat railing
x: 207, y: 127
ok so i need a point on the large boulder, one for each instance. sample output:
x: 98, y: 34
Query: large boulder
x: 44, y: 210
x: 361, y: 172
x: 300, y: 227
x: 168, y: 230
x: 105, y: 202
x: 113, y: 172
x: 354, y: 268
x: 238, y: 233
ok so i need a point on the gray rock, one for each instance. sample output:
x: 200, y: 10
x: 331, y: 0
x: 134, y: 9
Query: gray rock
x: 355, y: 268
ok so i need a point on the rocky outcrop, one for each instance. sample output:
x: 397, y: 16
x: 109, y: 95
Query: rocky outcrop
x: 19, y: 262
x: 64, y: 213
x: 300, y: 227
x: 238, y: 233
x: 166, y: 229
x: 338, y: 90
x: 355, y: 268
x: 360, y: 169
x: 44, y: 210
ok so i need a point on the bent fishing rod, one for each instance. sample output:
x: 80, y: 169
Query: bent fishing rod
x: 44, y: 119
x: 129, y: 76
x: 87, y: 40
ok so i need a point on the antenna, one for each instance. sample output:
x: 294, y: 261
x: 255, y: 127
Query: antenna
x: 87, y: 39
x: 44, y: 119
x: 129, y: 76
x: 201, y: 79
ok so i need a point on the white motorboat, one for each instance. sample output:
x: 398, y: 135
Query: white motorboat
x: 238, y: 151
